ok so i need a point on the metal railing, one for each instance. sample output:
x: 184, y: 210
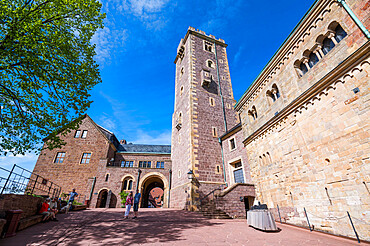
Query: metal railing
x: 21, y: 181
x: 210, y: 193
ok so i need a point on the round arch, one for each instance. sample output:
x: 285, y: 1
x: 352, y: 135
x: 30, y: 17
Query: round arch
x: 128, y: 176
x: 103, y: 195
x: 149, y: 179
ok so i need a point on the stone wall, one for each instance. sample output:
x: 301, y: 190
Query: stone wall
x: 195, y: 145
x: 181, y: 144
x: 231, y: 200
x: 231, y: 156
x: 117, y: 175
x: 309, y: 149
x: 28, y: 204
x: 71, y: 174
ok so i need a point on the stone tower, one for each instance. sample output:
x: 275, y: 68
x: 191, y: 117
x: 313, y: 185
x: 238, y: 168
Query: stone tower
x: 203, y: 112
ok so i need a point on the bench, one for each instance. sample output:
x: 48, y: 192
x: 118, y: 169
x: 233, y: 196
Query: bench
x: 29, y: 221
x: 79, y: 207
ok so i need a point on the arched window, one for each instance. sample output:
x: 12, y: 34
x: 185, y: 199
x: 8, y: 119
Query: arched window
x: 339, y: 33
x: 127, y: 184
x: 303, y: 68
x: 312, y: 59
x: 270, y: 97
x: 106, y: 177
x: 180, y: 118
x: 275, y: 92
x: 254, y: 111
x: 210, y: 64
x: 327, y: 45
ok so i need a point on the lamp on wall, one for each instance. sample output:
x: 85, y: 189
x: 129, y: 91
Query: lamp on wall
x: 190, y: 174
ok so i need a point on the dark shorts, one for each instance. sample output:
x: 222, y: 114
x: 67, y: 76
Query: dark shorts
x: 136, y: 207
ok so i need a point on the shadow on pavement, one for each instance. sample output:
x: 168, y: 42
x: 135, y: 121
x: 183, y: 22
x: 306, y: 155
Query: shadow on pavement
x: 107, y: 226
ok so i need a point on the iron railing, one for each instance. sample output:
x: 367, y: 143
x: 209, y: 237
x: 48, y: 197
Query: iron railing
x: 21, y: 181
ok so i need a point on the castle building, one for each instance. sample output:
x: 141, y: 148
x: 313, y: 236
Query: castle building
x: 297, y: 140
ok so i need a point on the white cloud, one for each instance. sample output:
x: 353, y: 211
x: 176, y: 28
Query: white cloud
x: 26, y: 161
x: 147, y: 11
x: 107, y: 40
x: 237, y: 55
x: 146, y: 138
x: 107, y: 122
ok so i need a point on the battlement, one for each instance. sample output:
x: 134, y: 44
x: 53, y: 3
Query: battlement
x: 192, y: 29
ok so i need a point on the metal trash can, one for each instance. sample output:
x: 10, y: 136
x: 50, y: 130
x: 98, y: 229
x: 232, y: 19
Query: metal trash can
x: 12, y: 219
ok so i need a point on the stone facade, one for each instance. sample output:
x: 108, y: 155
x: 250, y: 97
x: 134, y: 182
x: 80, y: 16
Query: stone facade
x: 103, y: 177
x: 118, y: 174
x: 308, y: 147
x: 203, y: 112
x: 71, y: 173
x: 297, y: 139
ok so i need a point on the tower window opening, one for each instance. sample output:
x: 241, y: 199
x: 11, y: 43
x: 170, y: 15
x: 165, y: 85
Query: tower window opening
x: 208, y: 46
x: 214, y: 132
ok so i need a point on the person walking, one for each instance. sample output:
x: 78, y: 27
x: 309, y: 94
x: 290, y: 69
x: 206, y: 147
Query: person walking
x: 136, y: 204
x: 72, y: 196
x: 128, y: 204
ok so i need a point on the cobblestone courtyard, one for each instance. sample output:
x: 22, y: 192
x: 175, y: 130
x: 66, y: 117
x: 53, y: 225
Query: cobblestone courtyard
x: 160, y: 227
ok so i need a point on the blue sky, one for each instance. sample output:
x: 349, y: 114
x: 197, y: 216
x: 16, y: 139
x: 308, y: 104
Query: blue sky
x: 137, y: 47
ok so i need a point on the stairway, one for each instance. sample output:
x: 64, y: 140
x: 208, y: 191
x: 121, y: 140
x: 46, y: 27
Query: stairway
x: 209, y: 210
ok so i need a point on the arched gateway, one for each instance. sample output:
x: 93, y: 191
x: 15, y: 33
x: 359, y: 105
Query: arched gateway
x: 154, y: 190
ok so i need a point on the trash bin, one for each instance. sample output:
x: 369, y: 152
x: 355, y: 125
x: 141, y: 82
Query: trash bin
x: 12, y: 219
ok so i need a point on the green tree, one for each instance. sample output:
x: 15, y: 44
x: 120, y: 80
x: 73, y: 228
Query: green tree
x: 46, y: 69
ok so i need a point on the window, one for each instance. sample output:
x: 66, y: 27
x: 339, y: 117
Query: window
x: 218, y: 169
x: 181, y: 90
x: 106, y: 177
x: 208, y: 46
x: 275, y: 91
x: 253, y: 113
x: 85, y: 158
x: 127, y: 164
x: 238, y: 176
x: 232, y: 143
x: 327, y: 45
x: 182, y: 71
x: 145, y: 164
x: 339, y: 33
x: 210, y: 64
x: 77, y: 134
x: 127, y: 184
x: 60, y: 157
x: 160, y: 164
x: 212, y: 101
x: 303, y: 68
x: 84, y: 134
x: 44, y: 181
x: 238, y: 172
x: 214, y: 131
x: 312, y: 59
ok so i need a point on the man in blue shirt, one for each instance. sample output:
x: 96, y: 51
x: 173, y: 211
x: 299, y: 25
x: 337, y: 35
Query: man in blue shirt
x: 72, y: 196
x: 136, y: 204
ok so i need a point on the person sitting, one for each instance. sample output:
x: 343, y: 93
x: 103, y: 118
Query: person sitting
x: 46, y: 212
x: 53, y: 205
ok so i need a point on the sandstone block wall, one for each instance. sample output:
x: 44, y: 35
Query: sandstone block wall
x: 28, y: 204
x: 71, y: 174
x: 231, y: 200
x: 313, y: 153
x: 234, y: 155
x: 117, y: 175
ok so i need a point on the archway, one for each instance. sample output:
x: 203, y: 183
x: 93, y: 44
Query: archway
x: 103, y: 196
x: 154, y: 189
